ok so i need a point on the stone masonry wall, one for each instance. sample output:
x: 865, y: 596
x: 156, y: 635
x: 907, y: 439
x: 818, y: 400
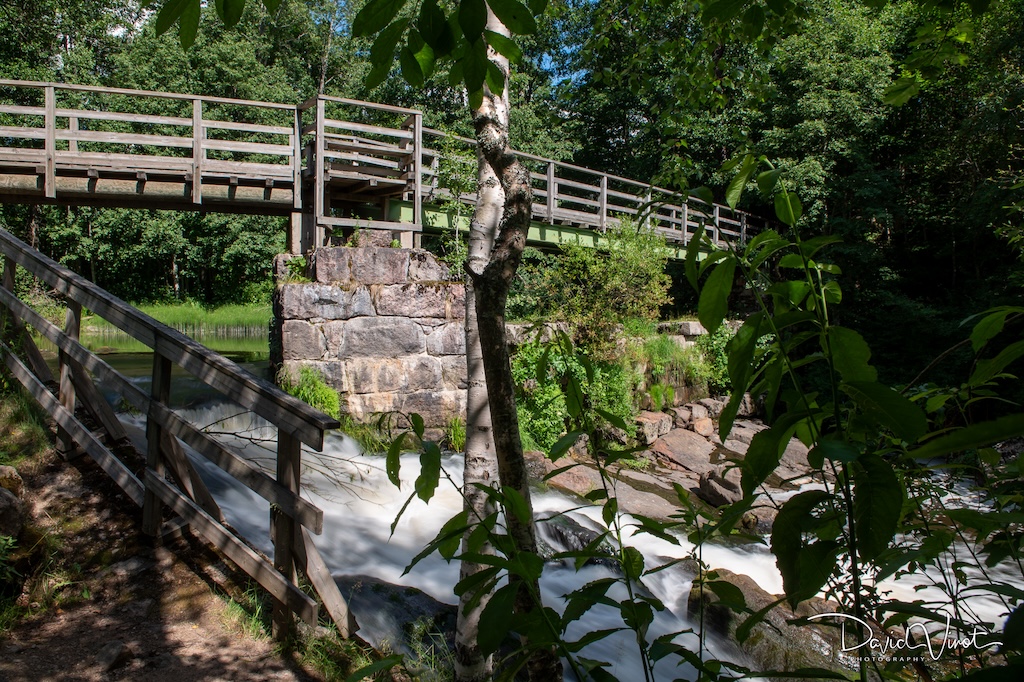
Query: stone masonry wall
x: 384, y: 326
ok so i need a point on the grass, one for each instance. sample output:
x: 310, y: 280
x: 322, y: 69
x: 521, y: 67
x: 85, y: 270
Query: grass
x: 195, y: 320
x: 251, y: 612
x: 23, y: 432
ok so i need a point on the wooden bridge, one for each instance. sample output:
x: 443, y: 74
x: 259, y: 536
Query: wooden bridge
x: 331, y: 164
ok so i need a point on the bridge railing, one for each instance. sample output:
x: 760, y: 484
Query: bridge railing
x: 361, y: 152
x: 569, y: 194
x: 167, y: 478
x: 88, y: 140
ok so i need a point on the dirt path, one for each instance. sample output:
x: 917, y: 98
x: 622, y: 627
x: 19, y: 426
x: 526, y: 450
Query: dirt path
x: 103, y: 603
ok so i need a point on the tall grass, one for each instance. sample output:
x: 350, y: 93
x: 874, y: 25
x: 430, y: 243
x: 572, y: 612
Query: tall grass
x: 195, y: 320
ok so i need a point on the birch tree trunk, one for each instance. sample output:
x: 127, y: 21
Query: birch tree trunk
x: 497, y: 238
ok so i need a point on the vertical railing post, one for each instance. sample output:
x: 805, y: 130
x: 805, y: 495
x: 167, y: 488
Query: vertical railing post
x: 294, y: 239
x: 648, y: 208
x: 72, y: 326
x: 50, y: 180
x: 743, y: 228
x: 686, y: 222
x: 552, y: 192
x: 319, y: 178
x: 283, y: 528
x: 417, y: 160
x: 161, y: 393
x: 714, y: 232
x: 197, y: 151
x: 603, y: 208
x: 73, y: 134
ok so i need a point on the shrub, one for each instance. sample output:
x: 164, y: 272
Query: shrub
x: 713, y: 347
x: 313, y: 390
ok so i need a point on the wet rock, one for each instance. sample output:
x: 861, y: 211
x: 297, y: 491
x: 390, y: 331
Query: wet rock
x: 12, y: 514
x: 652, y: 425
x: 719, y: 489
x: 773, y: 643
x: 11, y: 480
x: 685, y: 449
x: 562, y: 533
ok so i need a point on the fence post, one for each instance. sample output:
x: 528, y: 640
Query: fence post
x: 603, y: 208
x: 552, y: 192
x: 161, y: 393
x: 686, y: 222
x: 743, y: 228
x: 50, y: 181
x: 319, y: 178
x: 417, y: 143
x: 283, y: 528
x: 72, y: 325
x: 716, y: 223
x: 197, y: 151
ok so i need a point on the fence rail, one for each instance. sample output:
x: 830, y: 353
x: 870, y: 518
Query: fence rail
x: 333, y: 164
x: 166, y: 480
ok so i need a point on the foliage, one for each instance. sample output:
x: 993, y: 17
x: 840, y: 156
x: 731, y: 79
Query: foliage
x: 456, y: 172
x: 713, y: 347
x: 8, y: 574
x: 662, y: 396
x: 312, y: 390
x: 540, y: 398
x: 455, y: 434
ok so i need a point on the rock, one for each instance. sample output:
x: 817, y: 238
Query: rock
x: 111, y: 655
x: 424, y: 267
x: 652, y: 425
x: 773, y: 644
x: 681, y: 417
x: 11, y: 480
x: 323, y: 301
x: 561, y: 533
x: 692, y: 328
x: 374, y: 337
x: 704, y: 427
x: 742, y: 432
x: 719, y: 489
x: 685, y: 449
x: 579, y: 480
x: 713, y: 406
x: 301, y: 340
x: 12, y: 514
x: 747, y: 406
x: 447, y: 339
x: 759, y: 520
x: 446, y: 300
x: 697, y: 411
x: 363, y: 265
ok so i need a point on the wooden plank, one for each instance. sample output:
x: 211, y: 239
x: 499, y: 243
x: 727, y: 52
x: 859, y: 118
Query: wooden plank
x: 127, y: 162
x: 187, y: 476
x: 72, y: 324
x: 154, y: 94
x: 247, y: 147
x: 296, y: 166
x: 50, y: 181
x: 242, y: 469
x: 247, y: 127
x: 246, y: 558
x: 22, y: 133
x: 417, y: 169
x: 319, y: 181
x: 372, y: 224
x: 366, y: 159
x: 254, y: 171
x: 22, y: 110
x: 572, y: 184
x: 365, y: 128
x: 95, y: 403
x: 308, y: 556
x: 362, y: 148
x: 152, y: 514
x: 197, y: 151
x: 93, y: 447
x: 283, y: 529
x: 124, y: 117
x: 124, y: 138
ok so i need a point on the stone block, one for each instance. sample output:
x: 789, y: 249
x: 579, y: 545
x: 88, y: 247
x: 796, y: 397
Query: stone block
x: 380, y: 337
x: 692, y: 328
x: 703, y: 427
x: 323, y: 301
x: 435, y: 299
x: 681, y: 417
x: 697, y: 411
x: 448, y: 338
x: 454, y: 373
x: 360, y: 265
x: 332, y: 371
x: 301, y: 340
x: 436, y: 407
x: 424, y: 267
x: 714, y: 407
x: 652, y: 425
x: 380, y: 375
x: 718, y: 490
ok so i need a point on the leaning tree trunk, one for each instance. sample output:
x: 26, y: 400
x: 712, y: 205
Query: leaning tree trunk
x: 497, y: 238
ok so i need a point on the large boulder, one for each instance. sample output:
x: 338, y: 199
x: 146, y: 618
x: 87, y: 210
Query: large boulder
x: 774, y: 643
x: 720, y: 488
x: 685, y: 449
x: 11, y: 480
x: 12, y: 514
x: 652, y: 425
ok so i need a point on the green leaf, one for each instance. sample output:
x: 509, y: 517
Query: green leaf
x: 832, y: 293
x: 230, y: 11
x: 613, y: 419
x: 728, y: 594
x: 375, y: 15
x: 900, y: 415
x: 811, y: 246
x: 423, y: 53
x: 714, y: 297
x: 514, y: 15
x: 850, y: 354
x: 474, y: 68
x: 740, y: 350
x: 610, y: 509
x: 504, y: 46
x: 417, y: 424
x: 430, y: 471
x: 169, y: 13
x: 495, y: 78
x: 538, y: 7
x: 377, y: 666
x: 472, y: 18
x: 767, y: 181
x: 446, y: 542
x: 788, y: 208
x: 563, y: 444
x: 632, y: 563
x: 799, y: 578
x: 1013, y: 631
x: 723, y: 11
x: 762, y: 458
x: 972, y: 437
x: 735, y: 189
x: 515, y: 503
x: 188, y: 24
x: 988, y: 369
x: 692, y: 251
x: 394, y: 460
x: 900, y: 92
x: 476, y: 98
x: 410, y: 67
x: 574, y: 396
x: 382, y: 52
x: 496, y: 618
x: 432, y: 24
x: 832, y: 450
x: 793, y: 261
x: 272, y: 5
x: 877, y: 505
x: 378, y: 74
x: 988, y: 326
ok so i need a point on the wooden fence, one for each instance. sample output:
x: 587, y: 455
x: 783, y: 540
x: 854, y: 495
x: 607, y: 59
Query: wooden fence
x: 166, y: 484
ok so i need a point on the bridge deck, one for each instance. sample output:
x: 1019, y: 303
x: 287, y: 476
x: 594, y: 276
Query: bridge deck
x: 339, y: 163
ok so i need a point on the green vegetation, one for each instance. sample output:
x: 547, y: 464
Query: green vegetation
x: 23, y: 432
x: 196, y: 320
x: 455, y: 434
x: 311, y: 389
x: 713, y: 348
